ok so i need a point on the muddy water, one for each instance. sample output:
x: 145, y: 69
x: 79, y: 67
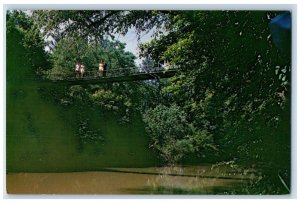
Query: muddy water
x: 120, y: 181
x: 74, y: 183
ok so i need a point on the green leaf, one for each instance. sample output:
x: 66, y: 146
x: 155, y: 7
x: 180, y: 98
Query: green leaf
x: 283, y: 78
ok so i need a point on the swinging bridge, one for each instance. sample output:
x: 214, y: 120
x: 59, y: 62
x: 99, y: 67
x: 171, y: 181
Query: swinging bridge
x: 116, y: 75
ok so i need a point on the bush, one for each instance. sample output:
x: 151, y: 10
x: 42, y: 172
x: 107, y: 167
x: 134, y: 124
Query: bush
x: 172, y: 136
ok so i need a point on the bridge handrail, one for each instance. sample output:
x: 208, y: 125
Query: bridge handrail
x: 112, y: 72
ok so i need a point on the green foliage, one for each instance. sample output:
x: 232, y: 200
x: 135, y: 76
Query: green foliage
x: 172, y: 136
x: 43, y: 134
x: 87, y: 135
x: 77, y: 92
x: 56, y: 73
x: 18, y: 19
x: 92, y: 24
x: 32, y: 40
x: 71, y: 50
x: 234, y: 83
x: 68, y: 52
x: 233, y: 87
x: 96, y: 24
x: 110, y: 100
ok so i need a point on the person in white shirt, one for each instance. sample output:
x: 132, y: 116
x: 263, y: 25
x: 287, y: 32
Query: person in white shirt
x: 101, y: 68
x: 77, y: 70
x: 82, y: 70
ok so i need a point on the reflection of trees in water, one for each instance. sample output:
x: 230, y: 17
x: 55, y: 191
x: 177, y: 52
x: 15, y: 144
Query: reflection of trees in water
x: 198, y: 180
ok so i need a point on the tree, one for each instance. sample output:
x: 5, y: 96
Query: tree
x: 32, y: 40
x: 95, y: 24
x: 71, y: 50
x: 231, y: 85
x: 172, y: 136
x: 233, y: 82
x: 18, y: 19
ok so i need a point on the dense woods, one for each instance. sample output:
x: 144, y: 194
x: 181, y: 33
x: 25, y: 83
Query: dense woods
x: 229, y: 101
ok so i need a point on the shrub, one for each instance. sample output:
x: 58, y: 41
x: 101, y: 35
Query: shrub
x: 172, y: 135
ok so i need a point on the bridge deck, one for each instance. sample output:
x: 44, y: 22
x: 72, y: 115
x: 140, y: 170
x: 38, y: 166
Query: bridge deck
x: 121, y: 78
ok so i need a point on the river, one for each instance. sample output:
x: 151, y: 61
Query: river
x: 153, y: 180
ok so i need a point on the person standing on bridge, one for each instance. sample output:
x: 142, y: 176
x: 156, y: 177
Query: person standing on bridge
x: 104, y: 69
x: 101, y: 68
x: 77, y: 70
x: 82, y: 70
